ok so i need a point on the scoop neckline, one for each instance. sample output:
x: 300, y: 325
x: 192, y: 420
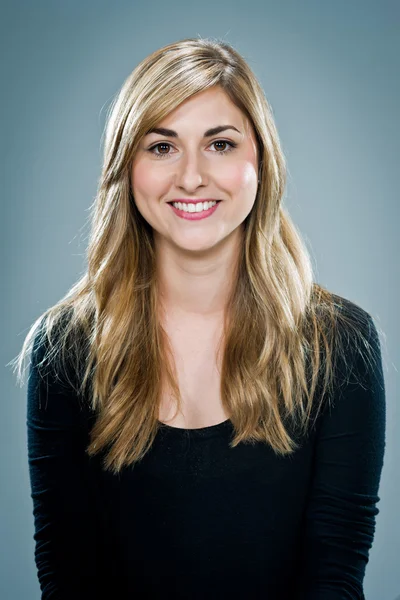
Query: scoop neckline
x: 195, y: 431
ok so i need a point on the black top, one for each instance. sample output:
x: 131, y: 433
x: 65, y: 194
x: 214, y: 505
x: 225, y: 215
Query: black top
x: 196, y: 519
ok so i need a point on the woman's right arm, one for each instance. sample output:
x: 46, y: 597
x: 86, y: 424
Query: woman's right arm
x: 60, y: 489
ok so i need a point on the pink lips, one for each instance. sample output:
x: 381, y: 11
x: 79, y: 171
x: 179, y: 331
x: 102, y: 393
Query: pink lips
x: 194, y: 216
x: 194, y: 201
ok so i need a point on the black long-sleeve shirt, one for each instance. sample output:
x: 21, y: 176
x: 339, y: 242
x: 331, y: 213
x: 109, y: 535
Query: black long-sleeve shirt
x: 196, y: 519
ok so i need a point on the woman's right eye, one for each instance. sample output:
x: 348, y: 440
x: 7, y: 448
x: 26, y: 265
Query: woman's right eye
x: 156, y: 146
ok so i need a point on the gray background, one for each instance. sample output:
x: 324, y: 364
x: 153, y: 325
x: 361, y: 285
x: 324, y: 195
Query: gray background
x: 331, y: 73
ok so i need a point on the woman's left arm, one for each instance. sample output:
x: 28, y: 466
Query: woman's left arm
x: 341, y: 509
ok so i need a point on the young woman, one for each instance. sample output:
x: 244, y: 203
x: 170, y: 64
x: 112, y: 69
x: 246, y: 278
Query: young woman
x: 204, y: 420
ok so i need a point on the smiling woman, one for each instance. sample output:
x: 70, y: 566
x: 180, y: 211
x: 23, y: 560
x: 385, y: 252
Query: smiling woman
x: 182, y: 171
x: 204, y: 419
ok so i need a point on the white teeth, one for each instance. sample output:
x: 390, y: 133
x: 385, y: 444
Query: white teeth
x: 198, y: 207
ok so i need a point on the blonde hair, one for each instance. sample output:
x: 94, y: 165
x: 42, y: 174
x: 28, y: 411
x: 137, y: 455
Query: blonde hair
x: 281, y: 330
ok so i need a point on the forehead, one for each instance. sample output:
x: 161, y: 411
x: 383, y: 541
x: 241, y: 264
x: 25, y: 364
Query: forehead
x: 203, y: 112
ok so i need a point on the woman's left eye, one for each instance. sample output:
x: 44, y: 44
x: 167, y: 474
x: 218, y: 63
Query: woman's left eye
x: 231, y: 145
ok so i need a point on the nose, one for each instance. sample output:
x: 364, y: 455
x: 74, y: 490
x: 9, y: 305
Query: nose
x: 191, y: 174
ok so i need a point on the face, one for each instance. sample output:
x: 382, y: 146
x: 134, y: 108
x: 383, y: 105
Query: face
x: 189, y: 162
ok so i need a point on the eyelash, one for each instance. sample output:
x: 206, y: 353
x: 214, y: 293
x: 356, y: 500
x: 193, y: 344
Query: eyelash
x: 232, y: 145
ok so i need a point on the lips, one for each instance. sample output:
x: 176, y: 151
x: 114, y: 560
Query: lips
x: 192, y: 201
x: 194, y: 215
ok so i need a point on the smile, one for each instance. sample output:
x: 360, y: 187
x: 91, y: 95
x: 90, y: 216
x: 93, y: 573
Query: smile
x: 193, y: 212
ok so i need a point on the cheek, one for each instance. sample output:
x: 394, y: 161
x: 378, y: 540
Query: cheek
x: 144, y: 180
x: 140, y: 180
x: 242, y: 178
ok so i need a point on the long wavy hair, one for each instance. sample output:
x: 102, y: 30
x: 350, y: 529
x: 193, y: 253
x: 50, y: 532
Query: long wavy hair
x: 282, y: 331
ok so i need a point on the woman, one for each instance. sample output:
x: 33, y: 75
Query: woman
x: 204, y: 420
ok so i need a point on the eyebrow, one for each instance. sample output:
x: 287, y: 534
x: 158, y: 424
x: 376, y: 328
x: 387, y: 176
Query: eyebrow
x: 171, y: 133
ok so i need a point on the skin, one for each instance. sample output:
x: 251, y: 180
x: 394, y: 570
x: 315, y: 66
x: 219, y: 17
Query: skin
x: 195, y: 258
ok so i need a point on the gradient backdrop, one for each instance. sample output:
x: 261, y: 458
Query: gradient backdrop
x: 331, y: 73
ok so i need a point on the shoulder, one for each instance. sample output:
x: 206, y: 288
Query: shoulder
x: 357, y: 404
x: 352, y: 312
x: 353, y: 350
x: 358, y: 343
x: 55, y: 351
x: 53, y: 392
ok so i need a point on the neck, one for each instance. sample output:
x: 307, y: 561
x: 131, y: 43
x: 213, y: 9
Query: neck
x: 196, y: 285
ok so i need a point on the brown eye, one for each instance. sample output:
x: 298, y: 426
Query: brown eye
x: 231, y: 145
x: 161, y: 144
x: 165, y: 145
x: 221, y: 142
